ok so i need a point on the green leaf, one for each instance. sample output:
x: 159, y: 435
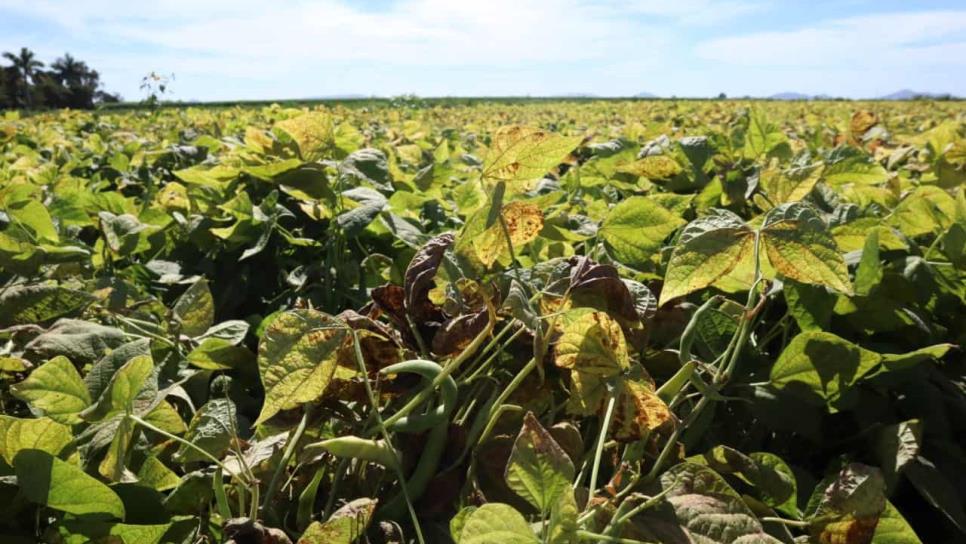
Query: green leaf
x: 195, y: 309
x: 34, y: 215
x: 708, y: 249
x: 763, y: 138
x: 46, y: 480
x: 857, y: 169
x: 297, y: 357
x: 538, y: 469
x: 38, y: 303
x: 899, y: 361
x: 367, y: 165
x: 896, y: 446
x: 937, y: 490
x: 101, y: 374
x: 810, y: 305
x: 519, y: 156
x: 820, y: 366
x: 495, y: 523
x: 56, y: 389
x: 270, y: 170
x: 156, y: 475
x: 869, y: 272
x: 125, y: 386
x: 791, y: 184
x: 36, y: 434
x: 344, y: 526
x: 926, y: 210
x: 562, y: 527
x: 635, y: 229
x: 210, y: 429
x: 852, y: 235
x: 84, y: 532
x: 799, y: 247
x: 122, y: 233
x: 893, y: 528
x: 708, y: 509
x: 219, y: 354
x: 769, y: 476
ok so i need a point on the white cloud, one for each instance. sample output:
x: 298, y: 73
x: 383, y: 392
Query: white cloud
x: 896, y: 40
x: 224, y: 49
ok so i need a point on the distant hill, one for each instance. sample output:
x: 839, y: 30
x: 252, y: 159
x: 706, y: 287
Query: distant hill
x: 578, y: 95
x: 789, y: 96
x: 908, y: 94
x: 645, y: 95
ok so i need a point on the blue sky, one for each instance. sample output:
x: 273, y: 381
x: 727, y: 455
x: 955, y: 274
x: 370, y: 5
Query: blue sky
x: 256, y: 49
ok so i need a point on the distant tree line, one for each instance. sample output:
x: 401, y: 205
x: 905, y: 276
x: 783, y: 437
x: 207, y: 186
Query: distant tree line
x: 68, y: 83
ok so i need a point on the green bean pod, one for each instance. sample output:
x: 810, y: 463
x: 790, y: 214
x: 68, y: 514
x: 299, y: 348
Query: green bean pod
x: 353, y: 447
x: 672, y: 387
x: 429, y: 459
x: 414, y: 423
x: 687, y: 337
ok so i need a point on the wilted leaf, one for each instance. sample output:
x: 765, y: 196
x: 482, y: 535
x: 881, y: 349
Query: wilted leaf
x: 706, y: 507
x: 520, y: 224
x: 312, y: 133
x: 519, y: 156
x: 344, y: 526
x: 709, y: 248
x: 591, y: 342
x: 849, y: 508
x: 799, y: 247
x: 297, y: 357
x: 538, y: 470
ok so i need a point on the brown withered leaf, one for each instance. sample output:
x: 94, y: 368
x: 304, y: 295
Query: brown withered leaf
x: 861, y: 122
x: 380, y: 344
x: 639, y: 411
x: 418, y: 280
x: 522, y: 222
x: 849, y: 509
x: 600, y: 286
x: 390, y: 300
x: 458, y: 332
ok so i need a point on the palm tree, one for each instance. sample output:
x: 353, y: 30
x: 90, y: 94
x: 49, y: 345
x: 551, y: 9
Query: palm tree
x: 25, y: 63
x: 69, y: 70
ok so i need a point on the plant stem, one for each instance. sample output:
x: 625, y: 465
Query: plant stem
x: 448, y: 369
x: 788, y: 522
x: 374, y: 406
x: 597, y: 537
x: 611, y: 401
x: 185, y: 443
x: 293, y: 437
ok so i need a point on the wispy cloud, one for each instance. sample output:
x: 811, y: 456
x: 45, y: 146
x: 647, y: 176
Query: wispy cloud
x: 882, y: 40
x: 223, y: 49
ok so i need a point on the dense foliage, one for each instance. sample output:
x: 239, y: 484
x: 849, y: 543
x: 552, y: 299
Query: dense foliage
x: 69, y: 83
x: 715, y: 322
